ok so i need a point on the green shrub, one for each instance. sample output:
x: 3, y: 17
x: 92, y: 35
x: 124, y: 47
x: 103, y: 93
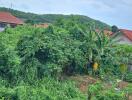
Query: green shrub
x: 128, y: 89
x: 46, y: 89
x: 99, y: 92
x: 7, y: 94
x: 50, y: 52
x: 128, y: 77
x: 30, y: 53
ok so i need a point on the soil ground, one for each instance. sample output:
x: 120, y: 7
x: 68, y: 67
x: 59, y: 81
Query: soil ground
x: 83, y: 82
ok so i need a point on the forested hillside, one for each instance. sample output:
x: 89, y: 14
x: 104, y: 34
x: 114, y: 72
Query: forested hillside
x: 51, y: 18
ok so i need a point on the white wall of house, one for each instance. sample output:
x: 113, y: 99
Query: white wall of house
x: 2, y: 26
x: 1, y: 29
x: 122, y: 39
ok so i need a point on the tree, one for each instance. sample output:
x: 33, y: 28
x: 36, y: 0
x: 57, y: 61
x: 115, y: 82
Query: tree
x: 30, y: 22
x: 114, y: 29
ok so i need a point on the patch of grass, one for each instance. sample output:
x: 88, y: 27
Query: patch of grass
x: 46, y: 89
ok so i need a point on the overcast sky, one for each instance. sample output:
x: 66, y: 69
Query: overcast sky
x: 112, y: 12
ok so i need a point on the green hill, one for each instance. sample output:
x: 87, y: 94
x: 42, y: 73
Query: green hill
x: 51, y: 18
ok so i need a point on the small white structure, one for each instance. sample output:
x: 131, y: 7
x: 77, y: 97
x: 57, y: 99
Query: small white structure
x: 1, y: 29
x: 123, y: 37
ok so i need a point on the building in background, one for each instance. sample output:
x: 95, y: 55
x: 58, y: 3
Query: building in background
x: 123, y: 36
x: 7, y: 18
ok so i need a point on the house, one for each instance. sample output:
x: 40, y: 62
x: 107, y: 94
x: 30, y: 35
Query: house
x: 7, y: 18
x: 123, y: 36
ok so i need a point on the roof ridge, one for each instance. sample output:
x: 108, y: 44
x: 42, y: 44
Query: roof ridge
x: 127, y: 33
x: 7, y: 17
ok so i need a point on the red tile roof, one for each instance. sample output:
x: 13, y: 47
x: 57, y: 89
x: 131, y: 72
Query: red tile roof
x: 7, y: 17
x: 127, y: 33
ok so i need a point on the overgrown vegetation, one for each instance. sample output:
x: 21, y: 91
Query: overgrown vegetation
x: 99, y: 91
x: 34, y: 60
x: 46, y: 89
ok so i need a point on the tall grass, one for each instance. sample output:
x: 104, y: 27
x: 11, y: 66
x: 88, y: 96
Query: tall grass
x: 45, y: 89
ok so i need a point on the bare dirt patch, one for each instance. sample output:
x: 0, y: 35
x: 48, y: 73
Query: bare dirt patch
x: 84, y: 81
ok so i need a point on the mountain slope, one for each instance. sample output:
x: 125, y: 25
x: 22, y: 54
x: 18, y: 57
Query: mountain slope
x: 50, y: 18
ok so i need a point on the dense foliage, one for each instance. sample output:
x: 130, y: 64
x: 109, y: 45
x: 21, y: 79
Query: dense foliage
x: 46, y: 89
x: 100, y: 91
x: 31, y: 53
x: 28, y: 55
x: 127, y: 54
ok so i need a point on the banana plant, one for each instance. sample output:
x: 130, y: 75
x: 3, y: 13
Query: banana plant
x: 101, y: 50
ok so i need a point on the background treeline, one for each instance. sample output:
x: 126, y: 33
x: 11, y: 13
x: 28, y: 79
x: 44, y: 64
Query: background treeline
x: 51, y: 18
